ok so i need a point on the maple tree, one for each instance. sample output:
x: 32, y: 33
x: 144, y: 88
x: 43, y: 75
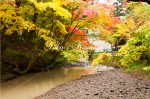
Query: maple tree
x: 91, y: 16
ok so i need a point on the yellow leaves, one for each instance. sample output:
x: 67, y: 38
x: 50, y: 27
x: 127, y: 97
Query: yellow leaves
x: 24, y: 25
x: 116, y: 35
x: 124, y: 49
x: 99, y: 59
x: 105, y: 31
x: 146, y: 68
x: 62, y: 27
x: 69, y: 55
x: 144, y: 26
x: 59, y: 10
x: 72, y: 55
x: 49, y: 41
x: 16, y: 23
x: 120, y: 28
x: 6, y: 6
x: 9, y: 32
x: 26, y: 9
x: 7, y: 13
x: 20, y: 19
x: 1, y: 27
x: 131, y: 25
x: 31, y: 26
x: 137, y: 18
x: 2, y: 13
x: 40, y: 6
x: 141, y: 11
x: 57, y: 2
x: 55, y: 6
x: 127, y: 27
x: 143, y: 48
x: 42, y: 31
x: 32, y: 1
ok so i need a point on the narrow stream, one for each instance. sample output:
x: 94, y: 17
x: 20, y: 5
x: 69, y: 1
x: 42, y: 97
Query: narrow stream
x: 28, y: 86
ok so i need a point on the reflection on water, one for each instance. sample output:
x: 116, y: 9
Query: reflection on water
x: 17, y: 89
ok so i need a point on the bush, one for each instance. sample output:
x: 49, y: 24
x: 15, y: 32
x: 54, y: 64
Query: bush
x: 108, y: 59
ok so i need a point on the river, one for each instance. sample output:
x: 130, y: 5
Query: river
x: 30, y: 85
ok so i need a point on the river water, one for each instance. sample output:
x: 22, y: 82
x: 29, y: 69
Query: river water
x: 30, y: 85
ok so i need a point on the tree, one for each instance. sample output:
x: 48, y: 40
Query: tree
x: 90, y: 16
x: 136, y: 29
x: 33, y: 30
x: 28, y: 28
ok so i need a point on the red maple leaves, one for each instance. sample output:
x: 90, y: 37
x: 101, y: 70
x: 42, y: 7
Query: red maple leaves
x: 79, y: 35
x: 93, y: 14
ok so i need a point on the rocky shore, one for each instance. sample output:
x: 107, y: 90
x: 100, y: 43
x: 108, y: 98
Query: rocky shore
x: 113, y: 84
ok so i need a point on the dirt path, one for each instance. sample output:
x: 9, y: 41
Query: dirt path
x: 113, y: 84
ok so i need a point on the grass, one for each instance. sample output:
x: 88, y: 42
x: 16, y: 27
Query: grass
x: 138, y: 68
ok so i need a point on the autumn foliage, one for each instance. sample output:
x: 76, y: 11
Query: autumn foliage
x: 32, y: 30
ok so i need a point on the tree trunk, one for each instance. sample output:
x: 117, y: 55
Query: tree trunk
x: 28, y: 68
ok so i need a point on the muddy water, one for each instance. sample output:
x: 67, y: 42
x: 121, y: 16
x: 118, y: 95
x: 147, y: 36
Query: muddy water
x: 31, y: 85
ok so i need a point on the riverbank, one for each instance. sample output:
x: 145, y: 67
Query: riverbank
x: 114, y: 84
x: 6, y: 76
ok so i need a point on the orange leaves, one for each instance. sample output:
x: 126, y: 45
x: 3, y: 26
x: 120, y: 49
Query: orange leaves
x: 77, y: 15
x: 114, y: 22
x: 92, y: 14
x: 90, y: 0
x: 76, y: 31
x: 80, y: 32
x: 79, y: 35
x: 116, y: 19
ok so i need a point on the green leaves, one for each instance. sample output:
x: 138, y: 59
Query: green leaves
x: 61, y: 26
x: 136, y: 28
x: 73, y: 55
x: 146, y: 68
x: 135, y: 47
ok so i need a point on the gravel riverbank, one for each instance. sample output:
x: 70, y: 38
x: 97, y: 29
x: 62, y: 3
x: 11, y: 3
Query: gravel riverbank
x: 114, y: 84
